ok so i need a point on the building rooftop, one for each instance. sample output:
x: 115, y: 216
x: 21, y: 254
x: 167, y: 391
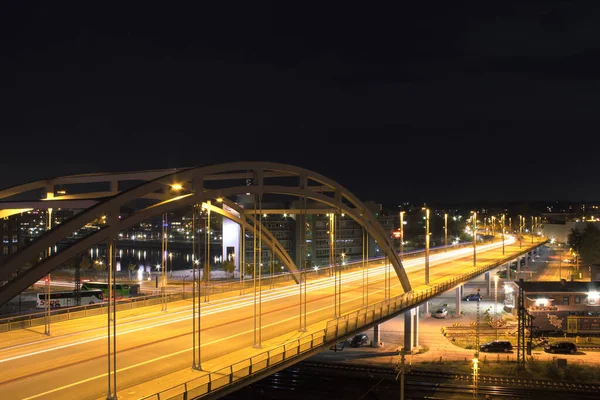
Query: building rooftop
x: 561, y: 286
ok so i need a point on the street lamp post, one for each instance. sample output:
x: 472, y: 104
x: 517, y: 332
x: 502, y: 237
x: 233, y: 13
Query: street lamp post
x: 502, y: 226
x: 559, y: 266
x: 532, y: 229
x: 475, y: 376
x: 426, y: 245
x: 401, y: 234
x: 474, y: 238
x: 520, y: 231
x: 445, y: 232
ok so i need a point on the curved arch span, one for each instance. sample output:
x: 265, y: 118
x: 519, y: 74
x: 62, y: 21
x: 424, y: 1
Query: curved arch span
x: 310, y: 185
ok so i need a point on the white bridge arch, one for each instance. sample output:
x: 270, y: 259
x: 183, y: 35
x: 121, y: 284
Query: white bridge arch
x: 198, y: 185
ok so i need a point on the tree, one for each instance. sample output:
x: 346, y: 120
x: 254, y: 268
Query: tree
x: 575, y: 239
x: 249, y: 270
x: 590, y: 246
x: 229, y: 267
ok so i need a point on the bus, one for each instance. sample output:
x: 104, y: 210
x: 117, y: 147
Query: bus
x: 67, y: 299
x: 122, y: 289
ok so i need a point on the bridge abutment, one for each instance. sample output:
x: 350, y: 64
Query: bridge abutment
x: 458, y: 299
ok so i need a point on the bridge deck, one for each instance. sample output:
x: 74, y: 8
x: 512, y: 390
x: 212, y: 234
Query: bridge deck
x: 154, y: 351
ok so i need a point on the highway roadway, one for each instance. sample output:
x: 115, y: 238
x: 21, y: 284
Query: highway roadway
x: 72, y: 363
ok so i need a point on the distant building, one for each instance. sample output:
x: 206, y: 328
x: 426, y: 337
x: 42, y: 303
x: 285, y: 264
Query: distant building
x: 563, y: 307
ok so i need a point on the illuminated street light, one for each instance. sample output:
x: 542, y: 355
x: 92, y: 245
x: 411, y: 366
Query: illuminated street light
x: 401, y: 234
x: 176, y: 186
x: 502, y: 226
x: 474, y: 237
x: 426, y: 244
x: 445, y: 232
x: 475, y: 376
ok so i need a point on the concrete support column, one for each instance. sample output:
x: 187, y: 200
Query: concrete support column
x: 416, y: 329
x: 426, y: 309
x: 376, y: 341
x: 508, y: 271
x: 489, y: 282
x: 411, y: 330
x: 458, y: 299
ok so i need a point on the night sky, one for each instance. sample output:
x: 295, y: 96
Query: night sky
x: 426, y: 102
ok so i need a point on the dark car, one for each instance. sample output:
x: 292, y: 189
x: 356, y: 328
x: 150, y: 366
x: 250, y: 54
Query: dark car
x: 359, y: 339
x: 561, y: 347
x: 496, y: 345
x: 473, y: 297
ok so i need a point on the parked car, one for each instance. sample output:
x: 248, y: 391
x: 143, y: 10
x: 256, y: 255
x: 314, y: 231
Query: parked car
x: 359, y: 339
x: 496, y: 345
x: 473, y: 297
x: 441, y: 312
x: 561, y: 347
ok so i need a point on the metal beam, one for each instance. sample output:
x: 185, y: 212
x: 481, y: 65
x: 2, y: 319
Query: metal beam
x: 267, y: 238
x: 345, y: 202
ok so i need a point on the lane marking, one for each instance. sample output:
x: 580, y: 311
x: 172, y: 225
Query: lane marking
x: 221, y: 307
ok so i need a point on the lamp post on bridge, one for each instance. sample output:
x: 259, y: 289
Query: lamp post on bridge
x: 532, y: 229
x: 474, y: 237
x: 445, y: 232
x: 520, y: 231
x: 502, y: 226
x: 426, y: 244
x: 401, y: 234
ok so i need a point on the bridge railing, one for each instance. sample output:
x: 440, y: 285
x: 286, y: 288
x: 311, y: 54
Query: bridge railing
x: 335, y: 330
x: 69, y: 313
x: 57, y: 315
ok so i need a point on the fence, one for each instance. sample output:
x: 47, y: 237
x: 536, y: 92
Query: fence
x: 335, y: 330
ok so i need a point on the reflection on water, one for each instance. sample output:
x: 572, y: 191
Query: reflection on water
x: 147, y: 259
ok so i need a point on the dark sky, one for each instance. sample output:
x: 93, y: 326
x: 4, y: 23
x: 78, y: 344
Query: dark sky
x: 433, y: 101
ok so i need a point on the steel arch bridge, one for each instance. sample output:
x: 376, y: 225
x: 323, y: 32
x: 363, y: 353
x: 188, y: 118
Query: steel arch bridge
x: 170, y: 190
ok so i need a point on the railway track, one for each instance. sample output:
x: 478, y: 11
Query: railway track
x: 307, y: 380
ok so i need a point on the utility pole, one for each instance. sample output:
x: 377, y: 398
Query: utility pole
x: 400, y: 369
x: 532, y: 229
x: 445, y: 232
x: 474, y: 238
x: 401, y: 234
x: 522, y: 313
x: 426, y: 244
x: 520, y: 231
x: 502, y: 223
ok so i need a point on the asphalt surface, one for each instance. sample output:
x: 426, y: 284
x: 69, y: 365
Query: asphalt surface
x: 154, y: 346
